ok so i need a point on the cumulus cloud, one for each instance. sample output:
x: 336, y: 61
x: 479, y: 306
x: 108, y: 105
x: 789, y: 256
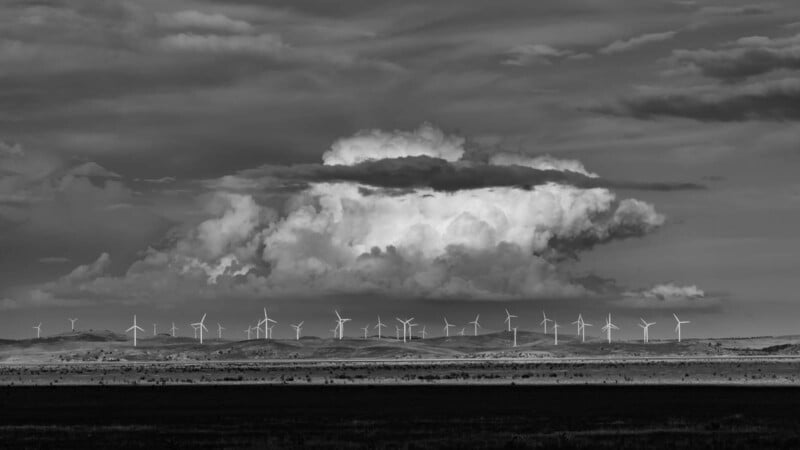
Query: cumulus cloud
x: 543, y: 162
x: 669, y: 295
x: 368, y: 145
x: 262, y: 44
x: 747, y: 57
x: 344, y: 236
x: 90, y: 271
x: 196, y: 19
x: 625, y: 45
x: 775, y: 100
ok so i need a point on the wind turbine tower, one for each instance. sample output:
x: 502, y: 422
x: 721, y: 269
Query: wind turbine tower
x: 476, y: 324
x: 678, y: 326
x: 544, y: 322
x: 379, y: 325
x: 509, y: 316
x: 201, y: 327
x: 515, y: 336
x: 173, y: 329
x: 155, y: 332
x: 135, y: 328
x: 219, y: 331
x: 341, y: 320
x: 297, y: 329
x: 556, y: 326
x: 72, y: 325
x: 410, y: 334
x: 266, y: 322
x: 608, y: 327
x: 405, y: 324
x: 248, y: 330
x: 366, y: 330
x: 423, y: 333
x: 447, y: 327
x: 645, y: 330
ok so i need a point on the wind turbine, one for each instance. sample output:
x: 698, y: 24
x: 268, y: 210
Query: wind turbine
x: 645, y: 330
x: 447, y: 327
x: 248, y: 330
x: 678, y: 326
x: 194, y: 328
x: 423, y: 333
x: 341, y: 321
x: 201, y: 327
x: 72, y: 324
x: 515, y: 336
x: 38, y: 330
x: 461, y: 333
x: 379, y: 325
x: 219, y: 330
x: 556, y: 326
x: 581, y: 327
x: 405, y: 323
x: 608, y: 327
x: 269, y: 331
x: 579, y: 322
x: 583, y: 331
x: 266, y: 322
x: 173, y: 329
x: 366, y: 330
x: 410, y: 334
x: 544, y: 322
x: 335, y: 331
x: 397, y: 332
x: 155, y: 332
x: 297, y: 329
x: 135, y: 328
x: 476, y: 324
x: 509, y: 316
x: 258, y: 330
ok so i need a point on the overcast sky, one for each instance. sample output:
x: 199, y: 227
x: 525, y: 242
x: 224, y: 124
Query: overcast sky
x: 170, y: 158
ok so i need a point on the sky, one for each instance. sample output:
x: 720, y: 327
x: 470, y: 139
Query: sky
x: 174, y: 158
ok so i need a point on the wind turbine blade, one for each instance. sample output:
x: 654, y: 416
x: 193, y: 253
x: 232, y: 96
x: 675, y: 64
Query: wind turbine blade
x: 676, y: 317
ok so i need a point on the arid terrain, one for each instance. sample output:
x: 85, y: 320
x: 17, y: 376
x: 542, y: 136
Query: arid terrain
x: 103, y: 358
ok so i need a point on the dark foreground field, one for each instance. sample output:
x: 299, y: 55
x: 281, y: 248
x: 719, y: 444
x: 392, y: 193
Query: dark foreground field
x: 400, y: 417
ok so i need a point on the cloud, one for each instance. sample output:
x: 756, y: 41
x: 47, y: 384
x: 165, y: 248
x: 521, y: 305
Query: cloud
x: 368, y: 145
x: 199, y: 20
x: 537, y: 54
x: 544, y: 162
x: 88, y: 272
x: 262, y: 44
x: 625, y: 45
x: 773, y: 100
x: 747, y: 57
x: 346, y: 237
x: 669, y: 295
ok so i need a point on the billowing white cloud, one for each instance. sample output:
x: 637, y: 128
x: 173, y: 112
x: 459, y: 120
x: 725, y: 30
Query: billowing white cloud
x: 668, y: 295
x: 197, y: 19
x: 536, y: 54
x: 544, y: 162
x: 342, y: 237
x: 426, y: 140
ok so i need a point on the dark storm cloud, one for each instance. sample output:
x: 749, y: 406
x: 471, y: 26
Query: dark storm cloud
x: 438, y: 174
x: 768, y: 100
x: 747, y: 57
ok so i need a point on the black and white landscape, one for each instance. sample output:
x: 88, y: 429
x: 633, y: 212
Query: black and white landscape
x: 409, y: 224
